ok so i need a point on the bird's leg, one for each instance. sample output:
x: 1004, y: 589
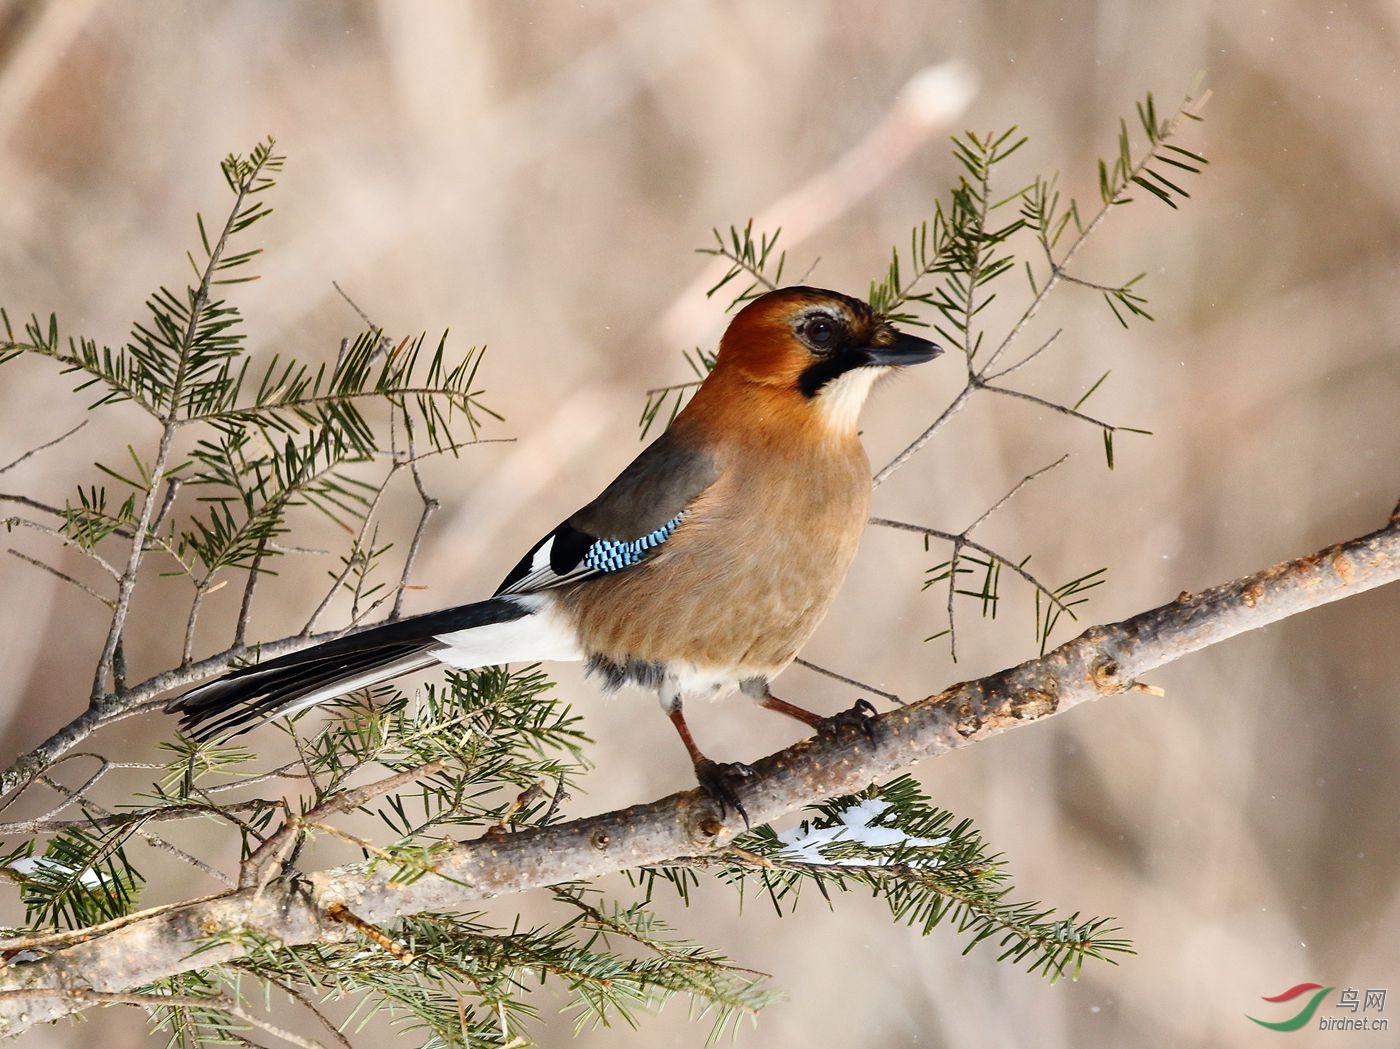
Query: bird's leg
x: 792, y: 710
x: 683, y: 730
x: 715, y: 779
x: 861, y: 714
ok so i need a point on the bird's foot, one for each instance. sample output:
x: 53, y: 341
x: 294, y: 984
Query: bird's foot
x: 718, y: 779
x: 859, y: 718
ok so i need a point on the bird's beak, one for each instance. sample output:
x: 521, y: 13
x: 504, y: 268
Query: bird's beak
x: 905, y: 349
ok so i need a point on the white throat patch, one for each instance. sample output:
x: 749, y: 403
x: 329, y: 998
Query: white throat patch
x: 840, y: 400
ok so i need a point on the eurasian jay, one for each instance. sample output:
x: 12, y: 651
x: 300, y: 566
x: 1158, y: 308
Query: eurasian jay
x: 704, y: 567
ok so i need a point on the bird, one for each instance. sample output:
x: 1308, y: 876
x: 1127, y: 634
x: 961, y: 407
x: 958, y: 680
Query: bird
x: 701, y: 569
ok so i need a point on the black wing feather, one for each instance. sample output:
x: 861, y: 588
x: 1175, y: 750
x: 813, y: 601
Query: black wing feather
x: 249, y: 694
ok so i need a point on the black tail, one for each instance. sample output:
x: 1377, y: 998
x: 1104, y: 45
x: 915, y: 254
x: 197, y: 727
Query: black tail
x: 237, y: 701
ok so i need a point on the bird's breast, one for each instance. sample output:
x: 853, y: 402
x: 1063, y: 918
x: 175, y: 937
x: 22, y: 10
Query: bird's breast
x: 746, y: 578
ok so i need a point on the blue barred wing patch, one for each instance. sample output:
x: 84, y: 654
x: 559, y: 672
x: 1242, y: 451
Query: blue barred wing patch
x: 613, y: 555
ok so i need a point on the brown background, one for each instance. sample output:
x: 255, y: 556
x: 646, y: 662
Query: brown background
x: 534, y: 176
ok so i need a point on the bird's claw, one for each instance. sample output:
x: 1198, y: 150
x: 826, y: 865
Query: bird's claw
x: 716, y: 780
x: 860, y: 717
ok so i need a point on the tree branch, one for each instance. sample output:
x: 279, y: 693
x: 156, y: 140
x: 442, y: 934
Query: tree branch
x: 170, y: 423
x: 46, y: 445
x: 140, y: 699
x: 1103, y: 661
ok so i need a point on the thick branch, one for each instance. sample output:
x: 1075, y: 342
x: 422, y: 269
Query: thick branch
x: 1103, y: 661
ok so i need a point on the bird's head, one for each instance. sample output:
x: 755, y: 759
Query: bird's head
x: 821, y: 346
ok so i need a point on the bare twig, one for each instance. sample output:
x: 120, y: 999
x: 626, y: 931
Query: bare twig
x: 164, y: 814
x: 291, y: 992
x: 103, y: 767
x: 279, y: 1033
x: 1103, y: 661
x: 105, y: 764
x: 75, y: 794
x: 281, y: 772
x: 383, y: 345
x: 849, y: 681
x: 1052, y: 405
x: 557, y: 798
x: 47, y: 444
x: 1107, y: 289
x: 1011, y: 494
x: 201, y: 590
x: 528, y: 796
x: 288, y: 548
x: 430, y: 506
x: 172, y: 490
x: 348, y: 800
x: 61, y: 575
x: 245, y: 607
x: 992, y: 377
x: 910, y: 450
x: 953, y: 558
x: 33, y: 504
x: 152, y: 839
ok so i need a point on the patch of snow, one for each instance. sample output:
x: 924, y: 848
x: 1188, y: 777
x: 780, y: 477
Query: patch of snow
x: 804, y: 843
x: 42, y: 864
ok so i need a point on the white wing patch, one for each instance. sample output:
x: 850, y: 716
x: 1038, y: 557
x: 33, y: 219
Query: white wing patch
x: 541, y: 576
x: 543, y: 636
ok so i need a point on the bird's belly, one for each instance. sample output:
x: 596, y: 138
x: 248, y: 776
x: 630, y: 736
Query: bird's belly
x: 708, y: 622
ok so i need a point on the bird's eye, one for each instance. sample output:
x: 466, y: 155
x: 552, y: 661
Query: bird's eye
x: 820, y: 332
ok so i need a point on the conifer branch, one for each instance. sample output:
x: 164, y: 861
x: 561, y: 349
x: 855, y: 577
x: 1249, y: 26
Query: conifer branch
x: 961, y: 237
x: 962, y: 539
x: 54, y: 533
x: 474, y: 754
x: 1103, y: 661
x: 245, y: 180
x: 141, y: 699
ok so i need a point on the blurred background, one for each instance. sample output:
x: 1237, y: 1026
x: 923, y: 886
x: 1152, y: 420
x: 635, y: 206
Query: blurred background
x: 534, y: 176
